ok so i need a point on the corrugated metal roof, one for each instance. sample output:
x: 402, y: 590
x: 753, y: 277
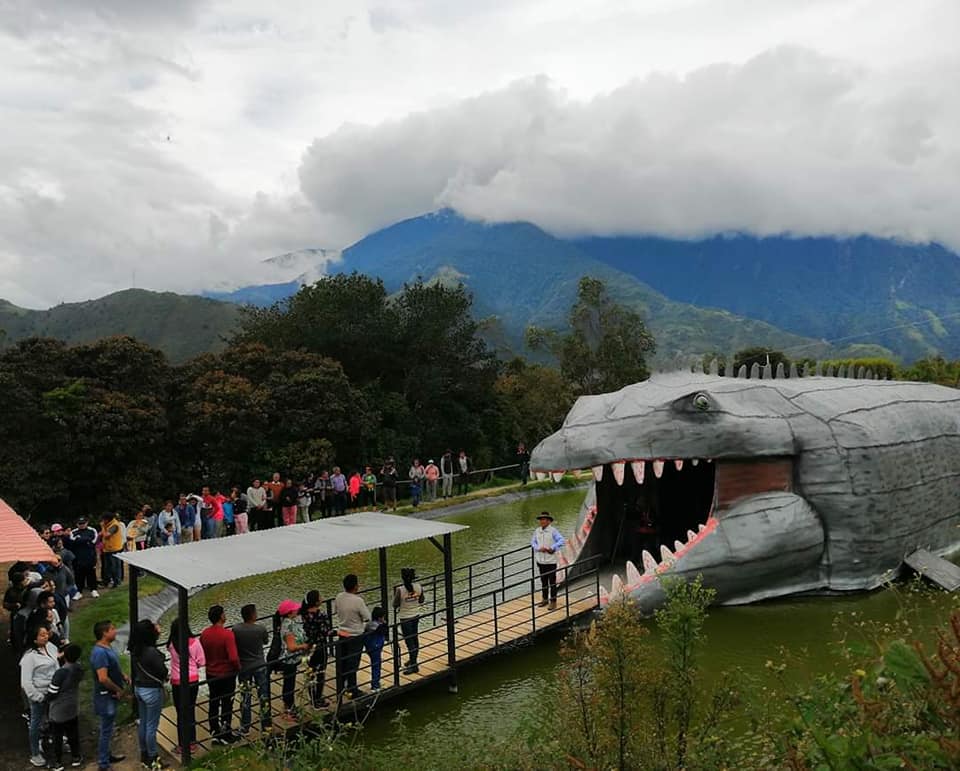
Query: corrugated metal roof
x: 20, y: 541
x: 215, y: 561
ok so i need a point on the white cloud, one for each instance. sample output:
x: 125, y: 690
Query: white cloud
x: 788, y: 142
x: 305, y: 124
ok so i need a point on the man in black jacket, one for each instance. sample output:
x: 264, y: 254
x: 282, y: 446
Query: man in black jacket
x: 83, y: 544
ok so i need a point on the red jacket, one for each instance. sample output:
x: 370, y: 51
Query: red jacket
x: 220, y: 650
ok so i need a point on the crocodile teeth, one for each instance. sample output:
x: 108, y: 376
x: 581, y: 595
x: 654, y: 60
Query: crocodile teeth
x: 649, y: 563
x: 690, y: 535
x: 666, y: 555
x: 638, y: 470
x: 695, y: 461
x: 678, y: 464
x: 541, y: 475
x: 701, y: 528
x: 616, y: 587
x: 658, y: 468
x: 557, y: 475
x: 633, y: 575
x: 677, y: 546
x: 597, y: 472
x: 617, y: 468
x: 604, y: 596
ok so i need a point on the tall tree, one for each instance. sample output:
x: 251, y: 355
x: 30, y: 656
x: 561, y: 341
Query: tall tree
x: 416, y: 356
x: 606, y: 347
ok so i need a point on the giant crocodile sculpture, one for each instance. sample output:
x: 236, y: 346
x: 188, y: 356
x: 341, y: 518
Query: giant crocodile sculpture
x: 765, y: 486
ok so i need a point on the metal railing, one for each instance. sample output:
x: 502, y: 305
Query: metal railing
x: 487, y: 610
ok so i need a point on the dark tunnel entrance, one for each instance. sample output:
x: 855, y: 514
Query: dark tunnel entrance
x: 634, y: 517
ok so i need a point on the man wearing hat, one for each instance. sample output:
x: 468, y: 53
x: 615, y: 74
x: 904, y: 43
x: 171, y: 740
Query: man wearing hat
x: 547, y: 543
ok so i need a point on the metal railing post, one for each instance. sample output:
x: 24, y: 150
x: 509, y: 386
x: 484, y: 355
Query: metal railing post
x: 434, y: 600
x: 533, y: 606
x: 396, y: 654
x: 566, y: 597
x: 470, y: 588
x: 496, y: 624
x: 338, y: 670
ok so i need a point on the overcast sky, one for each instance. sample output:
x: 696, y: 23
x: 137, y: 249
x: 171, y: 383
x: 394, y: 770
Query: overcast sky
x: 176, y: 144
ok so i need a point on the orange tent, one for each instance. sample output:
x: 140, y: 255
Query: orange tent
x: 20, y: 541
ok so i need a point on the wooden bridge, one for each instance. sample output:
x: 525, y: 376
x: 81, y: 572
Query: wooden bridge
x: 494, y: 606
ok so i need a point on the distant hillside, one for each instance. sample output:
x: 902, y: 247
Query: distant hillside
x: 178, y: 325
x: 521, y: 275
x: 902, y: 296
x: 261, y: 295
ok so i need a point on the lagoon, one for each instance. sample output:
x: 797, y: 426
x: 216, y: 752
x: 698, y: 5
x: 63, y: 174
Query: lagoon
x: 493, y: 693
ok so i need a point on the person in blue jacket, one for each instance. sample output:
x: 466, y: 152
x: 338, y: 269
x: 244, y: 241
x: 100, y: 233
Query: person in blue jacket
x: 374, y: 638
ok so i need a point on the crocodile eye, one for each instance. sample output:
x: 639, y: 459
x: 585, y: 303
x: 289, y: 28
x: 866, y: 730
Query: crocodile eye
x: 701, y: 402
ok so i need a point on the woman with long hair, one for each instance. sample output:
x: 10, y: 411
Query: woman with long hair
x: 407, y: 600
x: 149, y: 676
x: 316, y: 629
x: 37, y: 667
x: 186, y: 723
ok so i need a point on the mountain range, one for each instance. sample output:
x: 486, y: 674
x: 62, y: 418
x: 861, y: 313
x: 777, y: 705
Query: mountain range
x: 867, y: 296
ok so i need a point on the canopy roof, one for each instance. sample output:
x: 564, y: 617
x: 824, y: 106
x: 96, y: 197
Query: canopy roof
x: 215, y: 561
x: 20, y: 541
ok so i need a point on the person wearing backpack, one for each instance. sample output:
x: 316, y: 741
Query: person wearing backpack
x: 254, y: 674
x: 63, y: 702
x: 316, y: 628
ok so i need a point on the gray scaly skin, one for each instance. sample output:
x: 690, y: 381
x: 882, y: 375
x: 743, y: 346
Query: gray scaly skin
x: 875, y: 476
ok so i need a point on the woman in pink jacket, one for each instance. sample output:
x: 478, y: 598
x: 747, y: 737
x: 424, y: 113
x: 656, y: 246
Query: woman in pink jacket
x: 186, y: 724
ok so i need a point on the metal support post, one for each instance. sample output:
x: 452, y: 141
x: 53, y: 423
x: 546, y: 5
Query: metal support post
x: 383, y: 580
x: 448, y: 593
x: 183, y: 645
x: 134, y: 615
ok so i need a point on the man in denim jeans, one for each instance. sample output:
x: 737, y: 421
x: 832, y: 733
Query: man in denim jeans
x: 108, y: 686
x: 251, y: 639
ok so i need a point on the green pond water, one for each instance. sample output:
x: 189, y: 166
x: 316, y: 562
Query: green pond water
x: 493, y: 691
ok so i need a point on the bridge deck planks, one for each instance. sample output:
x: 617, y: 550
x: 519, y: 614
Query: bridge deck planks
x: 476, y: 636
x: 943, y: 573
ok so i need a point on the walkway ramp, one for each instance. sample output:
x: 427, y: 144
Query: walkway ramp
x: 495, y: 608
x: 942, y: 572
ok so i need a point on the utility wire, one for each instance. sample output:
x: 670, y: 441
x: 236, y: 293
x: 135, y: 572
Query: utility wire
x: 874, y: 332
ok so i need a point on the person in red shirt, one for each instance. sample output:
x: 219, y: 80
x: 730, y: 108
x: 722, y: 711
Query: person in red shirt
x: 223, y: 665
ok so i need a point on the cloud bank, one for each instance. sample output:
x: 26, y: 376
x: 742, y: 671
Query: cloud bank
x: 788, y: 142
x: 176, y: 145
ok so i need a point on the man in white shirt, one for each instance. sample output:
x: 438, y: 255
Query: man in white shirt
x: 547, y: 543
x: 257, y: 505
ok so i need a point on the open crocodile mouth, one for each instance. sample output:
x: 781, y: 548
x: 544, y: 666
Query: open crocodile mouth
x: 648, y: 514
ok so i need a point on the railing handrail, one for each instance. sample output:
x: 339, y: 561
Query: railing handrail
x: 525, y: 547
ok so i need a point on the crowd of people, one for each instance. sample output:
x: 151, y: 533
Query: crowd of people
x: 39, y: 597
x: 279, y: 501
x: 239, y: 660
x: 236, y: 660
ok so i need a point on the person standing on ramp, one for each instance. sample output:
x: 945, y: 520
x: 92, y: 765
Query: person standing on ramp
x: 547, y: 543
